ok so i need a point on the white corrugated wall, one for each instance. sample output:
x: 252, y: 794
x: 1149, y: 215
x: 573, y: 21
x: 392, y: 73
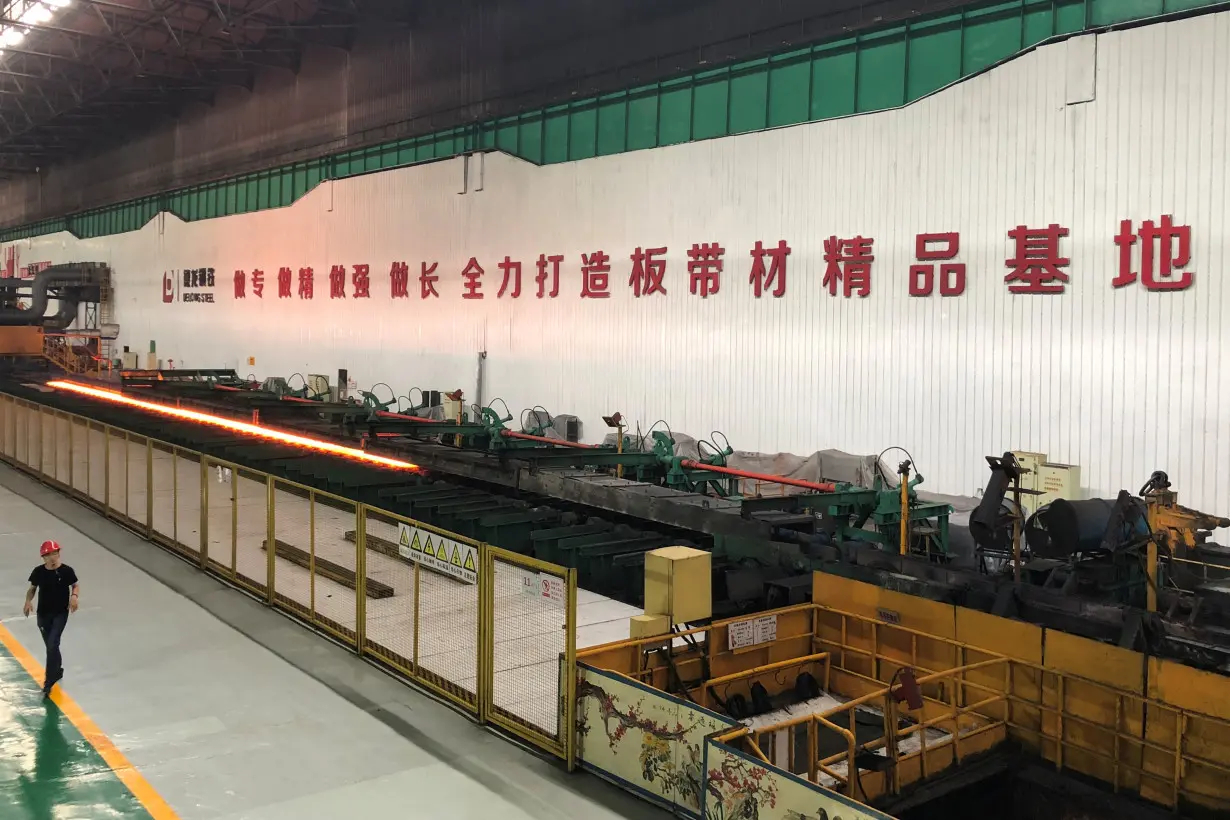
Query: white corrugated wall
x: 1121, y: 382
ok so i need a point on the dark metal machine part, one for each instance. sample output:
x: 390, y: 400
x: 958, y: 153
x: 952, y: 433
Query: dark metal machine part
x: 764, y: 549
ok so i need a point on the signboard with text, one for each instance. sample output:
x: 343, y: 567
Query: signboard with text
x: 1154, y: 255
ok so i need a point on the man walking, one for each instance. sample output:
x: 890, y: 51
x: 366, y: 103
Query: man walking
x: 57, y: 588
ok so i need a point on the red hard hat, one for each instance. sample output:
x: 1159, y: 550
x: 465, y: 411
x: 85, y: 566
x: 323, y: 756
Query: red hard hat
x: 48, y: 547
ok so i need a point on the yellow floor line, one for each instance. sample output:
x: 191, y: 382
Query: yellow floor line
x: 113, y: 757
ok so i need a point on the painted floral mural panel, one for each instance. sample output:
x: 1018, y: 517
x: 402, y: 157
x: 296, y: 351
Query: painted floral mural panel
x: 644, y: 737
x: 740, y: 788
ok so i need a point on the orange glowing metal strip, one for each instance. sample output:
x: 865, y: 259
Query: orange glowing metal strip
x: 237, y: 426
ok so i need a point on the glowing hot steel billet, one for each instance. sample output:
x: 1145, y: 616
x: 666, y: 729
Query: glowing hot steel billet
x: 237, y: 426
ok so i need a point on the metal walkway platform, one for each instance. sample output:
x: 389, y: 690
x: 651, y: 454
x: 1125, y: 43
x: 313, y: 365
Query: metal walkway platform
x: 184, y: 698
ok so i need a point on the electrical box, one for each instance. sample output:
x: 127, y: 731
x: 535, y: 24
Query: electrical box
x: 1051, y: 481
x: 679, y: 584
x: 452, y: 407
x: 1059, y: 481
x: 648, y: 626
x: 318, y: 385
x: 130, y: 360
x: 1031, y: 466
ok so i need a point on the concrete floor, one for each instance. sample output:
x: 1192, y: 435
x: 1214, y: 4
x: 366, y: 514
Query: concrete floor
x: 231, y: 710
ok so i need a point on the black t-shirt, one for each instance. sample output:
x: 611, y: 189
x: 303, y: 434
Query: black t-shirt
x: 54, y: 588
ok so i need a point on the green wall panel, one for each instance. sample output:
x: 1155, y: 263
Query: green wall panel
x: 873, y: 71
x: 789, y: 89
x: 834, y: 72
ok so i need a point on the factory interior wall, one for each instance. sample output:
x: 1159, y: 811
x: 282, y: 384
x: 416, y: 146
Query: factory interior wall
x: 1125, y: 125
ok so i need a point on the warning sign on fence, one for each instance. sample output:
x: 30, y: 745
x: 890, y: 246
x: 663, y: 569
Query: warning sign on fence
x: 434, y: 551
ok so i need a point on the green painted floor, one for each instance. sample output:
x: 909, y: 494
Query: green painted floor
x: 48, y: 771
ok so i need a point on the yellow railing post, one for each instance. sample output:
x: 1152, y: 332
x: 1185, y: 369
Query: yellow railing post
x: 175, y: 495
x: 415, y: 660
x: 486, y: 683
x: 360, y: 578
x: 39, y: 413
x: 312, y: 552
x: 149, y: 488
x: 271, y: 544
x: 203, y: 553
x: 570, y: 691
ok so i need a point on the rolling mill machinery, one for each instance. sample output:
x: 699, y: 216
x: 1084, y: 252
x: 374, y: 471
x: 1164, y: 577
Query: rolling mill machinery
x: 1078, y: 566
x: 30, y: 336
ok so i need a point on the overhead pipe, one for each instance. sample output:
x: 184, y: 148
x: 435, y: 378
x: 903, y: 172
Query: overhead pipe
x: 556, y: 441
x: 817, y: 486
x: 74, y: 275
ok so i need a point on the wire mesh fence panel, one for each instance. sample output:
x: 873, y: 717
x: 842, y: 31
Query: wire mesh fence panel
x: 47, y: 443
x: 21, y: 433
x: 251, y: 529
x: 447, y: 640
x: 34, y: 438
x: 294, y: 534
x: 529, y: 620
x: 188, y: 501
x: 97, y: 442
x: 164, y: 490
x: 62, y: 431
x: 6, y: 426
x: 118, y: 455
x: 334, y: 576
x: 80, y: 454
x: 222, y: 519
x: 390, y: 627
x: 138, y: 455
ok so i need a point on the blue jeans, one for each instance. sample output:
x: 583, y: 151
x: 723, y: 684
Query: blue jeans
x: 52, y: 627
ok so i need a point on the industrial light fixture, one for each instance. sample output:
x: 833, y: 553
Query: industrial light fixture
x: 30, y: 12
x: 236, y: 426
x: 614, y: 421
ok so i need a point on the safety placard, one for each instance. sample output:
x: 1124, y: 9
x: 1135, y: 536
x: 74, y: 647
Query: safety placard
x: 434, y: 551
x: 542, y: 585
x: 743, y: 634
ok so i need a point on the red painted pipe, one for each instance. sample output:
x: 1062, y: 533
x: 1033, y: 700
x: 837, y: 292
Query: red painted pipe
x: 820, y: 487
x: 386, y: 414
x: 545, y: 440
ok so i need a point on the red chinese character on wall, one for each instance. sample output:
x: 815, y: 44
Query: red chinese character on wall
x: 595, y: 275
x: 427, y: 281
x: 541, y: 278
x: 258, y: 283
x: 775, y: 276
x: 239, y: 284
x: 849, y: 260
x: 705, y: 268
x: 1171, y: 257
x: 1036, y: 266
x: 399, y: 280
x: 284, y: 277
x: 647, y: 272
x: 952, y: 274
x: 472, y: 275
x: 362, y: 280
x: 307, y: 281
x: 337, y: 282
x: 511, y: 270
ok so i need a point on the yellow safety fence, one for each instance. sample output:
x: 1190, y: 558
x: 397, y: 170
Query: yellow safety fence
x: 491, y: 631
x: 1150, y: 727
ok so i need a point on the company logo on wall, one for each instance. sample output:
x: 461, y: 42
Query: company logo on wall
x: 188, y: 285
